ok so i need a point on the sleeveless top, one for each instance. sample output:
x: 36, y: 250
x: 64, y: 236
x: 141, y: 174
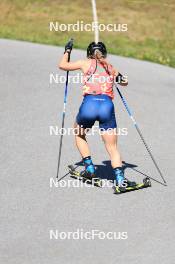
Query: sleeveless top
x: 97, y: 80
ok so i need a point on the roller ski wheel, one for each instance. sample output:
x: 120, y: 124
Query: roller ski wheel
x: 85, y: 177
x: 147, y: 182
x: 119, y: 190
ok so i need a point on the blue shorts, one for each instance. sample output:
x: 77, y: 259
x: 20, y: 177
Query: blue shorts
x: 97, y: 108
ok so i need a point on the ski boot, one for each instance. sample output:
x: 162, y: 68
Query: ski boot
x: 89, y: 171
x: 122, y: 183
x: 88, y: 174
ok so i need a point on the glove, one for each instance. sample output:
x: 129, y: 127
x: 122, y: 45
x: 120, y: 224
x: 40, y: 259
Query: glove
x: 119, y: 78
x: 69, y: 46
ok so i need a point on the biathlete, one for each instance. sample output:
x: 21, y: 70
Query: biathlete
x: 97, y: 105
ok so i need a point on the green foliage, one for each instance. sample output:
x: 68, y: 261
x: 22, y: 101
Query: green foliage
x: 150, y: 34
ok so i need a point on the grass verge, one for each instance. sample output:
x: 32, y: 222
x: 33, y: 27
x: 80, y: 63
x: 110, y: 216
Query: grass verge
x: 150, y: 34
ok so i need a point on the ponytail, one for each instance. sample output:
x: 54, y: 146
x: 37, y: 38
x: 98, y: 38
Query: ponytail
x: 98, y: 55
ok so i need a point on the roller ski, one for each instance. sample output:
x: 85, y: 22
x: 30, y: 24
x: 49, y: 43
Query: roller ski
x: 88, y: 174
x: 85, y: 177
x: 123, y: 185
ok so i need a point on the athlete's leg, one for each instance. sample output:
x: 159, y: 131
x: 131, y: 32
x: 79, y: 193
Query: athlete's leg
x: 86, y: 118
x: 116, y: 162
x: 110, y: 141
x: 82, y: 145
x: 108, y: 126
x: 81, y: 142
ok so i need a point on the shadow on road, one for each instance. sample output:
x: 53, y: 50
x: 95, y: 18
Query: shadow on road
x: 105, y: 171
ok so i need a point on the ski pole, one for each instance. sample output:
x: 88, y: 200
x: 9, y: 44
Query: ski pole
x: 140, y: 134
x: 64, y: 111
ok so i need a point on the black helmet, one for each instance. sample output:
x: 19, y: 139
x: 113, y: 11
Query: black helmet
x: 93, y: 46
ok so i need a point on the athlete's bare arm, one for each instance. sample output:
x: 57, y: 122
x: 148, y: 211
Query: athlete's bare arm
x: 72, y: 66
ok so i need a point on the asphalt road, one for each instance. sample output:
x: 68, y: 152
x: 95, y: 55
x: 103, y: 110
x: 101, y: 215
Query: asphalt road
x: 31, y: 208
